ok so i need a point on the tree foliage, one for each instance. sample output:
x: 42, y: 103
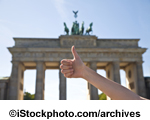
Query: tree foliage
x: 102, y: 96
x: 28, y: 96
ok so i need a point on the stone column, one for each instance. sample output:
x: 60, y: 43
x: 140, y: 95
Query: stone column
x: 116, y: 69
x: 147, y: 84
x: 16, y: 81
x: 134, y: 78
x: 2, y: 91
x: 131, y: 77
x: 92, y: 91
x: 140, y: 79
x: 40, y: 81
x: 62, y: 86
x: 113, y: 72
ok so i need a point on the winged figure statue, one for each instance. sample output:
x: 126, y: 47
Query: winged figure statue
x: 75, y: 13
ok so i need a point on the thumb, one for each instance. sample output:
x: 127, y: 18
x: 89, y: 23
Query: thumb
x: 75, y: 54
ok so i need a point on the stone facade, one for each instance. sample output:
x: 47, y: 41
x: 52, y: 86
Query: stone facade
x: 4, y: 88
x: 108, y: 54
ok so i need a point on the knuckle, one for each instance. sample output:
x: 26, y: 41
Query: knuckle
x: 65, y: 75
x: 62, y: 60
x: 60, y: 66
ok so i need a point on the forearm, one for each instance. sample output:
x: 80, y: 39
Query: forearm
x: 112, y: 89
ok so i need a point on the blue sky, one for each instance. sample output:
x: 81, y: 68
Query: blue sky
x: 44, y: 19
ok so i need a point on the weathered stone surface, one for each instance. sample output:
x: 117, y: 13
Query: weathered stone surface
x: 131, y: 77
x: 92, y: 91
x: 140, y: 79
x: 117, y: 43
x: 3, y: 89
x: 62, y: 86
x: 16, y: 79
x: 116, y: 71
x: 36, y: 42
x: 40, y: 81
x: 113, y: 72
x: 87, y: 54
x: 78, y: 41
x: 147, y: 84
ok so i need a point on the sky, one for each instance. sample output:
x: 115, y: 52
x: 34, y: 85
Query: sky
x: 45, y: 18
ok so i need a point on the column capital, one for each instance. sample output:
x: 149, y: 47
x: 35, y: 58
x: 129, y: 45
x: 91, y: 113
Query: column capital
x: 93, y: 65
x: 15, y: 62
x: 41, y: 63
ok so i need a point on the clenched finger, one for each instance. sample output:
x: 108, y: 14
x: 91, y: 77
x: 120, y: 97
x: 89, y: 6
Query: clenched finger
x: 68, y: 74
x: 65, y: 66
x: 66, y: 71
x: 66, y: 62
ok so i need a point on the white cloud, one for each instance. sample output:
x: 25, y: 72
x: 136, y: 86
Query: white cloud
x: 60, y: 6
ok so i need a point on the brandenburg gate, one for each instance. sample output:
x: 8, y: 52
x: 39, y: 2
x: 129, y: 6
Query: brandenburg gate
x: 43, y: 53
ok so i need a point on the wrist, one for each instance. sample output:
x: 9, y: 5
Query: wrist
x: 84, y: 71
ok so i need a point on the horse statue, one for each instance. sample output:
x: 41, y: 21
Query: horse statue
x: 66, y: 29
x: 81, y: 29
x: 89, y: 29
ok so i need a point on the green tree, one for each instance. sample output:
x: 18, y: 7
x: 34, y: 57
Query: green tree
x: 28, y: 96
x: 102, y: 96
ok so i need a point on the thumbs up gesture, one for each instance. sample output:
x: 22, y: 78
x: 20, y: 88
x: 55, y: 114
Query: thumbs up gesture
x: 72, y: 68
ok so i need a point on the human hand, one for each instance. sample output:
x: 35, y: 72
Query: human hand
x: 72, y: 68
